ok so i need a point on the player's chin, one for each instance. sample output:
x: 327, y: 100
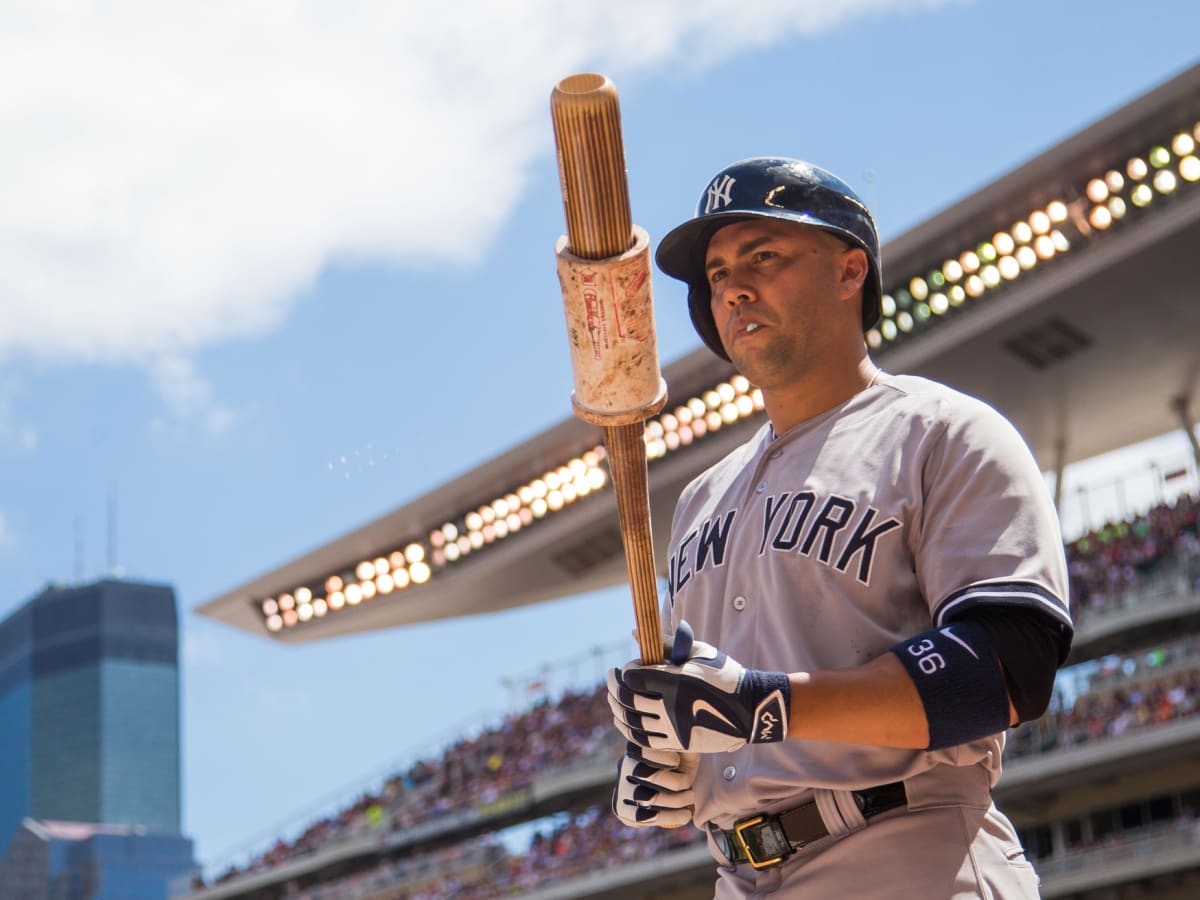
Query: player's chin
x: 752, y: 362
x: 739, y: 341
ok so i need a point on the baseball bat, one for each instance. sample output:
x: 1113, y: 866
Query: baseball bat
x: 604, y: 270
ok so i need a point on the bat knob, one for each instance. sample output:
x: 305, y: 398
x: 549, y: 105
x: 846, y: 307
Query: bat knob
x: 681, y: 647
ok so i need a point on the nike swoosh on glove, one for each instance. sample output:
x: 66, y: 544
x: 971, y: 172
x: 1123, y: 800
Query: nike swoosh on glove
x: 703, y: 701
x: 654, y: 787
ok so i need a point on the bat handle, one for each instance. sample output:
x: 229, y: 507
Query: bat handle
x: 627, y: 465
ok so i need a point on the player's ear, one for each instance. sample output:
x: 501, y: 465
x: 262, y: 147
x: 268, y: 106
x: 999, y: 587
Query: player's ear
x: 853, y: 270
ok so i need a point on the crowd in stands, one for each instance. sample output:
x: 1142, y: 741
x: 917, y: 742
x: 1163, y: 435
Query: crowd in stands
x: 1134, y: 827
x: 1106, y: 563
x: 590, y: 841
x: 1105, y: 566
x: 470, y: 773
x: 1124, y: 694
x: 1180, y: 832
x: 585, y: 842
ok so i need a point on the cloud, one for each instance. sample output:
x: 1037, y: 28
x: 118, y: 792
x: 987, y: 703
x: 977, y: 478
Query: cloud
x: 187, y: 394
x: 174, y: 174
x: 22, y: 436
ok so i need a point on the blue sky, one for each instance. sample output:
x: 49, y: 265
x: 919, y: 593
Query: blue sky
x: 268, y: 271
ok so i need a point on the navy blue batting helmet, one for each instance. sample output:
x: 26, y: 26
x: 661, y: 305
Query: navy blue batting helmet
x: 768, y: 188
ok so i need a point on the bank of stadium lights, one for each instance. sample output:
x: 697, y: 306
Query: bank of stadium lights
x: 370, y: 580
x: 1100, y: 204
x: 725, y: 404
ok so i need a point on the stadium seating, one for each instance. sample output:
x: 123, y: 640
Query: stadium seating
x: 447, y: 826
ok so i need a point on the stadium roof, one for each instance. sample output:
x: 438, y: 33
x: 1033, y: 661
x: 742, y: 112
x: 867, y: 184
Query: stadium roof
x: 1063, y: 293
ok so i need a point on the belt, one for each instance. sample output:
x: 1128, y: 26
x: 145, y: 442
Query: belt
x: 767, y: 840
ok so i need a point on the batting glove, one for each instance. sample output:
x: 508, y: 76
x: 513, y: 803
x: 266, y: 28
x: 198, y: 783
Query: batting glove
x: 654, y: 787
x: 703, y: 701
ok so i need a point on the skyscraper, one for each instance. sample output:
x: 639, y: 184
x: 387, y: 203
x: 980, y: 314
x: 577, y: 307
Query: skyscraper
x: 89, y: 708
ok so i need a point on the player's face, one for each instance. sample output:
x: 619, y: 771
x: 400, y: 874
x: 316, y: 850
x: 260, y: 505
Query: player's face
x: 777, y: 294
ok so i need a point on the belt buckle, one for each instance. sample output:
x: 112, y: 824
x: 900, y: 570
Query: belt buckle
x: 766, y: 837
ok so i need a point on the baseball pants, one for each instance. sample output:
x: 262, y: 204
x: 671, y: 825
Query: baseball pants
x: 937, y: 853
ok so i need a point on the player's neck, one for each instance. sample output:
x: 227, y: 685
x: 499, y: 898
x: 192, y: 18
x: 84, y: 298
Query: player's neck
x: 794, y: 404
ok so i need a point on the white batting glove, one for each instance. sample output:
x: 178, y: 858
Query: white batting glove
x: 703, y: 701
x: 654, y: 787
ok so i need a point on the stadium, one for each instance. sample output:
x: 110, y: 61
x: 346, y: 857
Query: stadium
x: 1030, y: 294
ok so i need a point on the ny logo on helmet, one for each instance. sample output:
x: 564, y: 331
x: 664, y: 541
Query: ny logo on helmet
x: 718, y: 194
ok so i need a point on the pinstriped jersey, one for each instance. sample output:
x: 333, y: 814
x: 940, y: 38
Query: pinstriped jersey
x: 823, y: 547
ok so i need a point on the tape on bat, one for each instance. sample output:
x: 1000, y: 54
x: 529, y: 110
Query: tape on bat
x: 610, y: 326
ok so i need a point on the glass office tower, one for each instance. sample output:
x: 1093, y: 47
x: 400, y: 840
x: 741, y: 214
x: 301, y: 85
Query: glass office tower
x: 89, y: 708
x: 73, y: 861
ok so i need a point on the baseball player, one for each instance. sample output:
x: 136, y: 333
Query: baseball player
x: 861, y: 599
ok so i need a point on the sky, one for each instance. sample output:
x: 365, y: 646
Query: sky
x: 270, y: 270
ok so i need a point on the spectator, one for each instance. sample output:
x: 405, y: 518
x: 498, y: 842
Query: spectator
x: 1104, y: 566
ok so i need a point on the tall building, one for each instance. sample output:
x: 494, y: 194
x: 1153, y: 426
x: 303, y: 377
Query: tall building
x: 89, y: 709
x: 73, y: 861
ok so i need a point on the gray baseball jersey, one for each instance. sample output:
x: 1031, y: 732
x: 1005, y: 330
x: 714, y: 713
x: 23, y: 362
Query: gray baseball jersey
x: 823, y: 547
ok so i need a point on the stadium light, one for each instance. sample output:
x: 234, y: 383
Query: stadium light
x: 1100, y: 203
x: 384, y: 577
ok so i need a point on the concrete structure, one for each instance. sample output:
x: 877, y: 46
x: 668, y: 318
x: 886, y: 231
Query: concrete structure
x: 1064, y: 294
x: 1082, y: 328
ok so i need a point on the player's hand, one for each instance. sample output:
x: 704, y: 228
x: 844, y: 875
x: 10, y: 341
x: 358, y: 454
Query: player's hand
x: 701, y: 702
x: 654, y: 787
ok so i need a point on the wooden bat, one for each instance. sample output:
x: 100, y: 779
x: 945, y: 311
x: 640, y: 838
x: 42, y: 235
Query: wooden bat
x: 604, y: 269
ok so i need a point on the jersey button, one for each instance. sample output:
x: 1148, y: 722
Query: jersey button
x: 739, y: 603
x: 775, y: 454
x: 762, y: 486
x: 730, y: 773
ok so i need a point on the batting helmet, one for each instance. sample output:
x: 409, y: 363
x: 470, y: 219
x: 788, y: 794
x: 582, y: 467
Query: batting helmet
x: 768, y: 188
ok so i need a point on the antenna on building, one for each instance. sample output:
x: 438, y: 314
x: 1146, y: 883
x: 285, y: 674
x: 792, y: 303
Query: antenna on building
x: 78, y: 549
x: 114, y: 567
